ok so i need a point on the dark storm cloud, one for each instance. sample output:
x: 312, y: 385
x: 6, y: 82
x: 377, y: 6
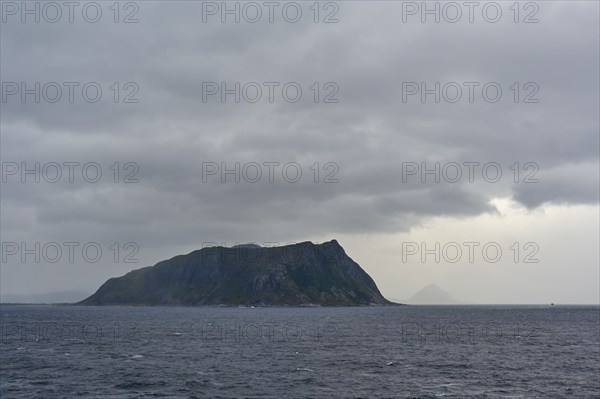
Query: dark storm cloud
x: 369, y: 134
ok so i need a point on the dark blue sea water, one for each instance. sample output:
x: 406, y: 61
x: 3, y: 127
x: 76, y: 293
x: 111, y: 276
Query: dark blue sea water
x: 212, y: 352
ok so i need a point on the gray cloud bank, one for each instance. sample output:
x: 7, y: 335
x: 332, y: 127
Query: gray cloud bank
x: 370, y: 136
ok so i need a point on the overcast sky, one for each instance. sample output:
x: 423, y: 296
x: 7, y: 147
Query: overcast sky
x: 369, y: 134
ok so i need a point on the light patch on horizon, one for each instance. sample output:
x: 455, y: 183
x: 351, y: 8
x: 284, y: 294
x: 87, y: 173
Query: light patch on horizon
x: 568, y: 257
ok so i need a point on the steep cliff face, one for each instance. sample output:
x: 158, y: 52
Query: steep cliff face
x: 293, y: 275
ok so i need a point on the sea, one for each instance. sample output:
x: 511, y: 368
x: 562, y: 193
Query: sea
x: 313, y: 352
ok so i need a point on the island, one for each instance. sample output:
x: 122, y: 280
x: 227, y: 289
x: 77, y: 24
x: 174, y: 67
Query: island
x: 303, y: 274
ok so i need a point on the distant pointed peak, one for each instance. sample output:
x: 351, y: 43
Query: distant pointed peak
x: 433, y: 288
x: 432, y: 294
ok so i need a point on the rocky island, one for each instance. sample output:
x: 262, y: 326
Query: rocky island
x: 303, y: 274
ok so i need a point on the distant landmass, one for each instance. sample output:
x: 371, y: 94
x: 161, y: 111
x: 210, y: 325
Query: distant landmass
x: 51, y: 297
x: 432, y: 295
x: 303, y: 274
